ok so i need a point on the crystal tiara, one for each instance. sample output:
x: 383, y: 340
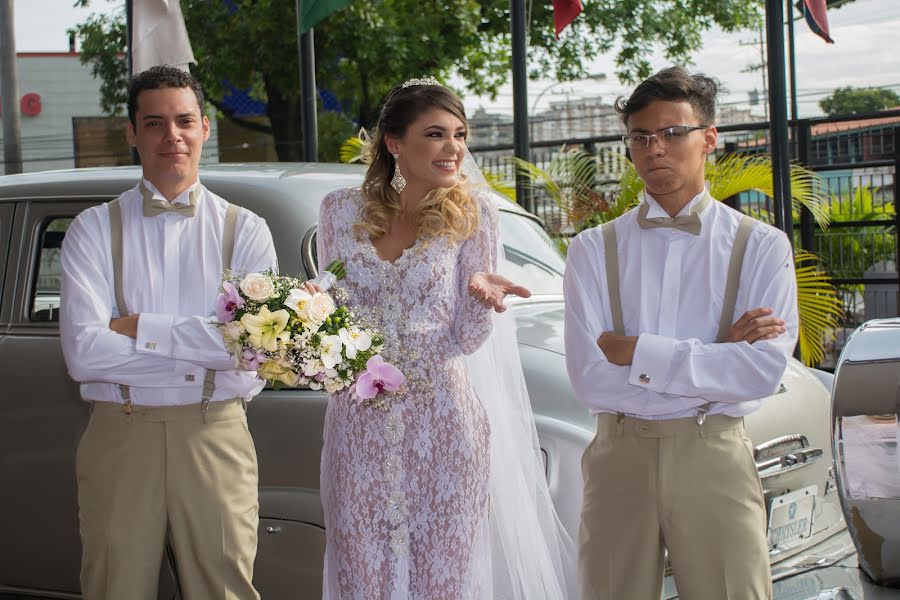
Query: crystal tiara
x: 421, y: 81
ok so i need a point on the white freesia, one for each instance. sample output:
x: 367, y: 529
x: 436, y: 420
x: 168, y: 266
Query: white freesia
x: 331, y: 346
x: 355, y: 340
x: 320, y: 307
x: 298, y: 301
x: 257, y: 287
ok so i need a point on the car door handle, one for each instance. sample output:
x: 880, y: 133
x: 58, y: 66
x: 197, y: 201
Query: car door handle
x: 789, y: 462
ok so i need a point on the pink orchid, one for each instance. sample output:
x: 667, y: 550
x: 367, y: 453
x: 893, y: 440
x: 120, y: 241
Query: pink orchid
x: 254, y: 358
x: 379, y: 377
x: 228, y: 302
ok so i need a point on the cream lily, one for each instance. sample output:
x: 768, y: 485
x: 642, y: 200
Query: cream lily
x: 267, y: 328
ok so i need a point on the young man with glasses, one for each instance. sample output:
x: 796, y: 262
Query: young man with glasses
x: 654, y: 349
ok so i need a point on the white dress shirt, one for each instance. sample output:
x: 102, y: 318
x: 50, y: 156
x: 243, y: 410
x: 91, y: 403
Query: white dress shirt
x: 672, y: 285
x: 171, y: 276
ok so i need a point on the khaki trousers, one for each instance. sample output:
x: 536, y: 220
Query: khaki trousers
x: 167, y: 471
x: 692, y: 489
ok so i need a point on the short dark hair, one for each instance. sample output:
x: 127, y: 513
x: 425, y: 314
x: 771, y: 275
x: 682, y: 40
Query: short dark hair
x: 674, y: 85
x: 162, y: 76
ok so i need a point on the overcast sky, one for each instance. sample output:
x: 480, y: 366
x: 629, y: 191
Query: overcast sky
x: 865, y: 53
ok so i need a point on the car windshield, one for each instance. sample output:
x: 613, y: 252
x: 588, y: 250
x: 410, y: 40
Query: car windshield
x: 532, y: 258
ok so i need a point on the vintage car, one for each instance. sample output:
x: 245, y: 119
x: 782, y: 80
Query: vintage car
x: 865, y: 432
x: 42, y: 415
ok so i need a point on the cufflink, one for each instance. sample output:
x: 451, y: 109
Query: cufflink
x: 189, y: 378
x: 150, y: 346
x: 644, y: 378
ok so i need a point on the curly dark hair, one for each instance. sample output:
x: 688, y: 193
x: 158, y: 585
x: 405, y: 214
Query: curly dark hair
x: 674, y: 84
x: 162, y: 76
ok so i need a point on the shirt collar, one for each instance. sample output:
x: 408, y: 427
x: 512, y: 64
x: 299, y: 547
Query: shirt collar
x: 657, y: 211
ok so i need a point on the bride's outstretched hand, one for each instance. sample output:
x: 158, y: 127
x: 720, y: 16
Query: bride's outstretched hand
x: 490, y: 289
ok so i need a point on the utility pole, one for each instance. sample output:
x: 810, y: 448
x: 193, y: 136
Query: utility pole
x: 129, y: 59
x: 792, y: 61
x: 760, y: 66
x: 9, y: 90
x: 522, y: 147
x: 307, y: 59
x: 778, y: 125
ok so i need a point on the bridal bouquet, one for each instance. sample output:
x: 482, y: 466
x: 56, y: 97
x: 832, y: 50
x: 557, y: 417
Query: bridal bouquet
x: 288, y: 336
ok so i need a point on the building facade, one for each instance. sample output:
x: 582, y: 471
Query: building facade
x: 62, y: 123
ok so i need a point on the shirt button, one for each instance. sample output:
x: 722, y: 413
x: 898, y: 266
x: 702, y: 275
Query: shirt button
x: 644, y: 378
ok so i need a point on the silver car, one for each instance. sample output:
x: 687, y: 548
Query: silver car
x: 42, y: 415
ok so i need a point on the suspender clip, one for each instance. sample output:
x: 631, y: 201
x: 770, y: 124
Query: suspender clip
x: 701, y: 414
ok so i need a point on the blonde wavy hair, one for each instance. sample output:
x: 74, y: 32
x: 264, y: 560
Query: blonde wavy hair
x: 444, y: 211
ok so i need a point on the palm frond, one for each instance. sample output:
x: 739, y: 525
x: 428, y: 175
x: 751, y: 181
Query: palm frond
x: 535, y: 178
x: 732, y: 174
x: 500, y: 184
x: 819, y: 307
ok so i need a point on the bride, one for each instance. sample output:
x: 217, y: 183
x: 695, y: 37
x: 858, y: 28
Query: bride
x: 438, y: 491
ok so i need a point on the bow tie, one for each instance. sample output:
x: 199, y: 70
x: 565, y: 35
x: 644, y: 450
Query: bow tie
x: 157, y: 207
x: 689, y: 223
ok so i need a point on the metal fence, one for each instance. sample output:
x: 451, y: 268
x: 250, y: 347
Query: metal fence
x: 857, y: 158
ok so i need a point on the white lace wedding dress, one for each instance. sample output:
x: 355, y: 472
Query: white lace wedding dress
x: 405, y: 490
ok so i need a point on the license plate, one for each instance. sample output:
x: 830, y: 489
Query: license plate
x: 791, y: 517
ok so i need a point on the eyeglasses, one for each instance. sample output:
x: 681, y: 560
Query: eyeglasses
x: 665, y: 136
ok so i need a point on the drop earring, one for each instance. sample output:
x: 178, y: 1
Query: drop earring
x: 397, y: 181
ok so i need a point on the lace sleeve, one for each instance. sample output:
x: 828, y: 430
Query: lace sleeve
x: 327, y: 231
x: 472, y: 322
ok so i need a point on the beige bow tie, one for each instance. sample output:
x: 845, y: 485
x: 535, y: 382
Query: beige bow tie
x: 157, y: 207
x: 689, y: 223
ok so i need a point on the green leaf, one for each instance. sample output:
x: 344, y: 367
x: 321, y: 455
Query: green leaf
x: 819, y: 308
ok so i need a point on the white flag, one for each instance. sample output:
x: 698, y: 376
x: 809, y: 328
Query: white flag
x: 159, y: 36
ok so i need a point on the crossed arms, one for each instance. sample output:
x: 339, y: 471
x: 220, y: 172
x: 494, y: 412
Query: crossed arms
x: 606, y: 368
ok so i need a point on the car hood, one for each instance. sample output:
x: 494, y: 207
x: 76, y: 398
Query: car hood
x: 540, y: 324
x: 540, y: 336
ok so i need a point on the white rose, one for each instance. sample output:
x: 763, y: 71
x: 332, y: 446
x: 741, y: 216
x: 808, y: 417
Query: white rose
x: 257, y: 287
x: 320, y: 307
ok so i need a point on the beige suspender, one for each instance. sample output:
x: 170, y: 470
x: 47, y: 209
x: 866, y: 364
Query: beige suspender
x: 611, y: 254
x: 734, y: 276
x: 115, y: 232
x: 228, y: 231
x: 115, y: 227
x: 611, y: 251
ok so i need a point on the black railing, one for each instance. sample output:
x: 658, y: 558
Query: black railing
x: 858, y: 158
